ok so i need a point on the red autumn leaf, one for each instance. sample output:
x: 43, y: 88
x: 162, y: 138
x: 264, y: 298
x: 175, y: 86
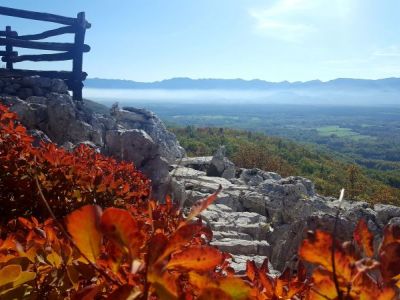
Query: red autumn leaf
x: 287, y: 285
x: 268, y: 285
x: 391, y: 235
x: 389, y: 257
x: 199, y: 258
x: 87, y: 293
x: 282, y: 282
x: 9, y: 274
x: 83, y: 226
x: 231, y: 286
x: 235, y: 287
x: 317, y: 249
x: 163, y: 292
x: 8, y: 115
x: 157, y: 244
x: 28, y: 224
x: 323, y: 287
x: 119, y: 226
x: 364, y: 238
x: 202, y: 204
x: 184, y: 235
x: 301, y: 272
x: 8, y: 244
x: 163, y: 284
x: 125, y: 292
x: 265, y: 266
x: 200, y: 281
x: 388, y: 293
x: 214, y: 294
x: 251, y: 270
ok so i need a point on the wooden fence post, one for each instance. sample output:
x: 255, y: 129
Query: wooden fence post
x: 78, y: 56
x: 9, y: 49
x: 72, y: 51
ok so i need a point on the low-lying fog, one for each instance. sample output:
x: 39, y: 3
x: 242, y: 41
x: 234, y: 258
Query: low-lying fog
x: 305, y: 97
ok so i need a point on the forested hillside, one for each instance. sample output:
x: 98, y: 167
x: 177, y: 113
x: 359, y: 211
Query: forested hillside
x: 329, y: 173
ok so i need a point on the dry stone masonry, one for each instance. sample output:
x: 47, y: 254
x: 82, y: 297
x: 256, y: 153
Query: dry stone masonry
x: 25, y: 87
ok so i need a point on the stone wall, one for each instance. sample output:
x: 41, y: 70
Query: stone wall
x: 25, y: 87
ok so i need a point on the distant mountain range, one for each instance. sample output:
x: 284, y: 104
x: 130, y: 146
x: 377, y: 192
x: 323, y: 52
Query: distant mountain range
x: 388, y: 84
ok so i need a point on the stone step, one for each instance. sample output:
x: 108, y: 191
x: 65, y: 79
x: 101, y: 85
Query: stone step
x: 257, y: 231
x: 243, y: 247
x: 219, y: 235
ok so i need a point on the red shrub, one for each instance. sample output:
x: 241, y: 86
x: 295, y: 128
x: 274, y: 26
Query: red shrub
x: 68, y: 180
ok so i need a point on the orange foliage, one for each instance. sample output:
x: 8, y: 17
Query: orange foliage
x: 352, y: 275
x: 147, y: 250
x: 68, y: 180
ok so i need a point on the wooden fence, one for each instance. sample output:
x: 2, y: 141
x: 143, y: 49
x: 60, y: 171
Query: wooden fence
x: 69, y: 51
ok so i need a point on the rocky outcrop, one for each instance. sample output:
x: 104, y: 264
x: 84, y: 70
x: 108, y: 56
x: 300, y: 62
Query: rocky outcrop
x: 145, y: 120
x: 47, y: 110
x: 260, y: 214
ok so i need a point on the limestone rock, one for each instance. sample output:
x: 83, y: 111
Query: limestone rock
x: 221, y: 166
x: 254, y: 177
x: 137, y: 146
x: 197, y: 163
x: 386, y: 212
x: 137, y: 118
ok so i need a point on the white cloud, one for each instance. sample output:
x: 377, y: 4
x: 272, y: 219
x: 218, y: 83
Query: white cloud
x: 287, y: 31
x: 293, y: 20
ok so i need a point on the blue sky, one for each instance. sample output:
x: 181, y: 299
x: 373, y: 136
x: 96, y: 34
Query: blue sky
x: 274, y: 40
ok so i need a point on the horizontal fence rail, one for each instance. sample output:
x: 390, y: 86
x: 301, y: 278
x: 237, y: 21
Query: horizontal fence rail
x: 40, y: 57
x: 47, y: 34
x: 41, y: 45
x: 69, y: 51
x: 39, y: 16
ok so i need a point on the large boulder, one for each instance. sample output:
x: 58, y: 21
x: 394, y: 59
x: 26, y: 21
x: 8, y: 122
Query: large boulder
x: 137, y: 146
x: 139, y: 118
x: 201, y: 163
x: 220, y: 166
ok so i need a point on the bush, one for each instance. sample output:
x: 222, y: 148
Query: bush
x: 68, y: 180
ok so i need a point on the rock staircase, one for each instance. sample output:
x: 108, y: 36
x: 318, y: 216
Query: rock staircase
x: 239, y: 233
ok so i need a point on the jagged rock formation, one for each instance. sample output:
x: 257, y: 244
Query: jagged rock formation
x: 260, y: 214
x: 47, y: 110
